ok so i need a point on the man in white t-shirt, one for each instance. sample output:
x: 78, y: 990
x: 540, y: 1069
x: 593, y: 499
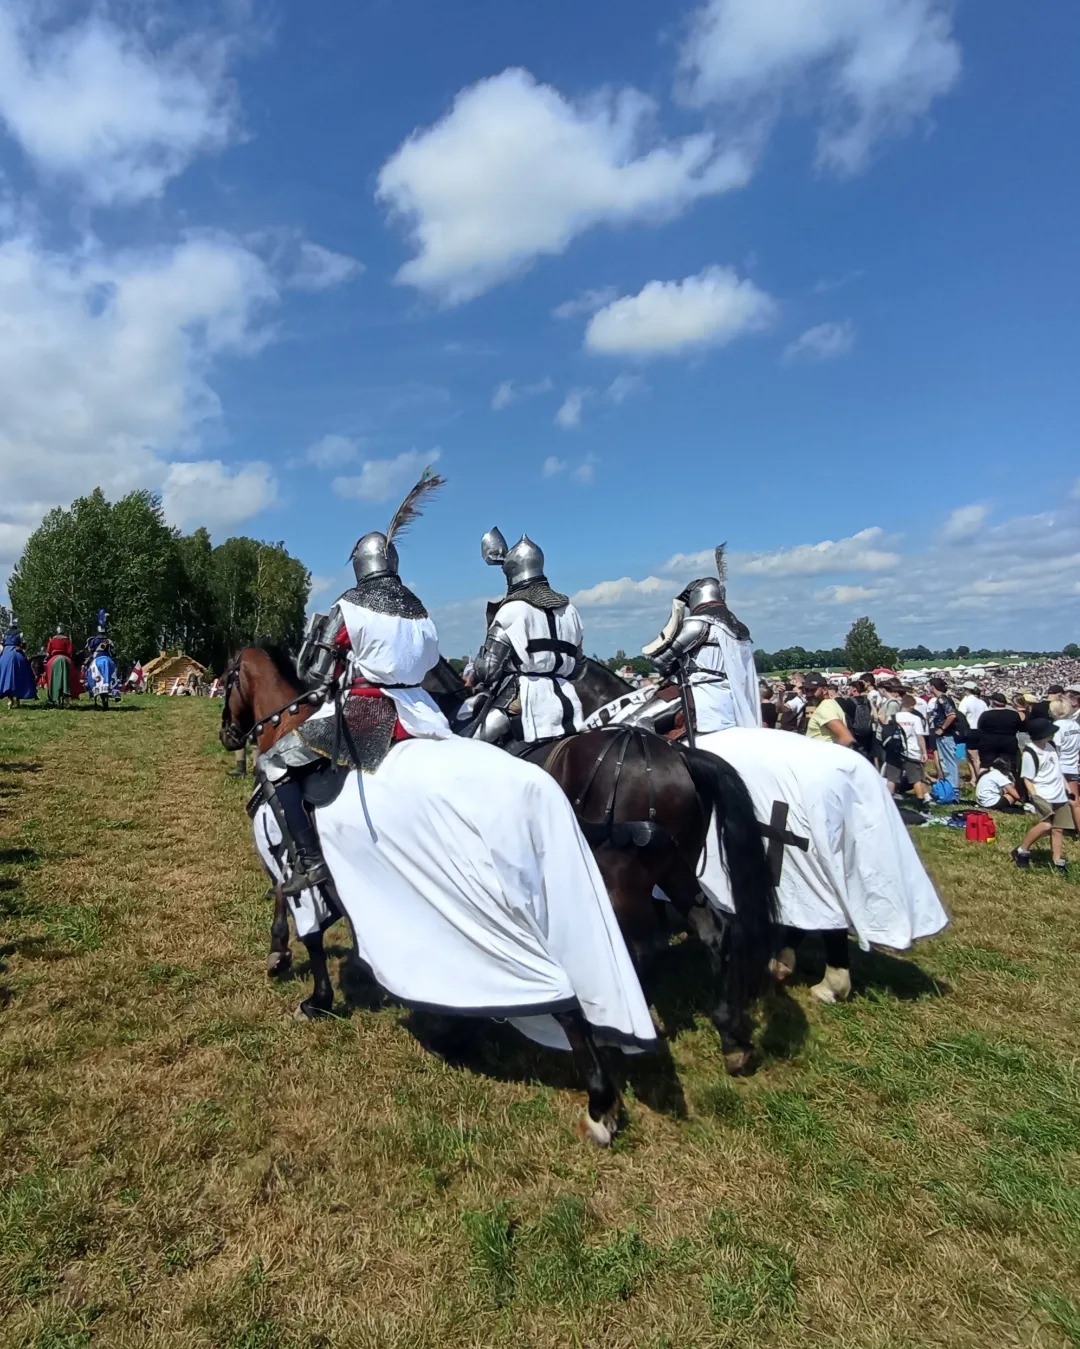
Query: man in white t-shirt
x: 973, y: 706
x: 914, y: 729
x: 1040, y: 768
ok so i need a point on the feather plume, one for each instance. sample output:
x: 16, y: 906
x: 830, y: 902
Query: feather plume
x: 721, y: 564
x: 409, y: 510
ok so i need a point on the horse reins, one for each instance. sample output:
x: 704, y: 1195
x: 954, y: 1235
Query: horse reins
x: 232, y: 681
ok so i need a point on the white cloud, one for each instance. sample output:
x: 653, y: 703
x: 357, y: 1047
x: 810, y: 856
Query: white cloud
x: 381, y: 479
x: 623, y: 387
x: 208, y: 492
x: 873, y: 68
x: 824, y: 342
x: 332, y: 451
x: 102, y: 106
x: 588, y: 302
x: 669, y: 317
x: 515, y: 171
x: 510, y: 391
x: 860, y: 552
x: 105, y: 377
x: 847, y: 594
x: 569, y: 413
x: 964, y: 523
x: 583, y: 472
x: 1075, y: 493
x: 319, y: 268
x: 622, y: 592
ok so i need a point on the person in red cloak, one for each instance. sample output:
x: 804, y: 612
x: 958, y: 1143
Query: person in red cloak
x: 61, y: 675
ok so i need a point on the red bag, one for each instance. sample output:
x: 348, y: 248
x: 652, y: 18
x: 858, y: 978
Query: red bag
x: 980, y: 828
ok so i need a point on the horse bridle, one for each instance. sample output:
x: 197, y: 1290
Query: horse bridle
x: 238, y: 738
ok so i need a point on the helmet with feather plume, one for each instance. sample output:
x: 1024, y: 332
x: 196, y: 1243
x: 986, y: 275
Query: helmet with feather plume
x: 375, y: 554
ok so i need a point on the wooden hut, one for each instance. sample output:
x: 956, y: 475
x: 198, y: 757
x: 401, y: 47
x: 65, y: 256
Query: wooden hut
x: 165, y: 673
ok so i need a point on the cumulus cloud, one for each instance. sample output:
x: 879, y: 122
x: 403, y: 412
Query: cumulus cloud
x: 588, y: 302
x: 871, y: 68
x: 553, y: 466
x: 964, y: 523
x: 860, y: 552
x: 381, y: 479
x: 514, y: 171
x: 622, y: 592
x: 622, y: 387
x: 669, y: 317
x: 208, y: 492
x: 583, y: 472
x: 104, y: 107
x: 319, y: 268
x: 332, y: 451
x: 109, y: 377
x: 569, y: 413
x: 511, y: 391
x: 847, y: 594
x: 824, y: 342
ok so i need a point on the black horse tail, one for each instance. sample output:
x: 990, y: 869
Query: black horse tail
x: 753, y: 931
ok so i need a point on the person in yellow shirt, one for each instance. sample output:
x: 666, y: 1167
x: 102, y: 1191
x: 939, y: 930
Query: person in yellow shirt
x: 827, y: 722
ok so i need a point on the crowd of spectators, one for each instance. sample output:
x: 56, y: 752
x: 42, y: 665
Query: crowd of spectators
x: 1016, y: 731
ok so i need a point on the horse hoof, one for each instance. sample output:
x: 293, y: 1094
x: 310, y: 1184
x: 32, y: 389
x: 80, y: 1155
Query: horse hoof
x: 737, y: 1061
x: 278, y: 963
x: 601, y: 1131
x: 307, y: 1011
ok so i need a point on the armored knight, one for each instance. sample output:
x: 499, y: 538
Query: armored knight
x: 705, y: 643
x: 531, y: 653
x: 100, y: 640
x: 367, y: 659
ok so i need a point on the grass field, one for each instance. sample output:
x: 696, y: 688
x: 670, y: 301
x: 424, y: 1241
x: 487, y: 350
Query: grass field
x: 181, y: 1164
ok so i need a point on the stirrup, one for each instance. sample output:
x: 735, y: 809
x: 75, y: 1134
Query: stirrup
x: 306, y: 876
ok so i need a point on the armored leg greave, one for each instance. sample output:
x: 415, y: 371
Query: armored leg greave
x: 307, y: 866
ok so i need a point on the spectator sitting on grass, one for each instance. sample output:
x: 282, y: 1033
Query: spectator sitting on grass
x: 995, y: 788
x: 1041, y: 770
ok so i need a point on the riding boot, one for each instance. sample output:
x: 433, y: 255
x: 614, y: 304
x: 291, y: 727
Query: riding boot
x: 307, y: 866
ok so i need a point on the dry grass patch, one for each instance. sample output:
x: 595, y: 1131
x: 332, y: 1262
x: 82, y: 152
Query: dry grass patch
x: 183, y: 1166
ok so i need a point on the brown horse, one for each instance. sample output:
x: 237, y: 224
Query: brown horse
x: 644, y: 806
x: 263, y: 701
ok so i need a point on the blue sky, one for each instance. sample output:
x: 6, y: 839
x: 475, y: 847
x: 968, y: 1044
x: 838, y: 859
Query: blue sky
x: 797, y: 276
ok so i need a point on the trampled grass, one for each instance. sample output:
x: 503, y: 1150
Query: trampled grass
x: 183, y: 1165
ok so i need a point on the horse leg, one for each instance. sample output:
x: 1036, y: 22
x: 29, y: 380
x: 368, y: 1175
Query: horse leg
x: 321, y: 1000
x: 279, y: 962
x: 602, y: 1115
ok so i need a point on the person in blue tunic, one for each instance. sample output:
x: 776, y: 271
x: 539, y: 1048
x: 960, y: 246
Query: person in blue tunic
x: 16, y: 676
x: 100, y: 673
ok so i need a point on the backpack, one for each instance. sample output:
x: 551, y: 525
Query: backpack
x: 944, y: 794
x: 960, y: 728
x: 861, y: 721
x: 979, y: 827
x: 893, y: 744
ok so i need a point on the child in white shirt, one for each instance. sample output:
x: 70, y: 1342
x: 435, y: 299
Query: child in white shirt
x: 995, y: 789
x: 1041, y: 770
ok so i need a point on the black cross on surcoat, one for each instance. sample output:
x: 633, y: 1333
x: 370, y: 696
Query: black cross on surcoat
x: 779, y: 836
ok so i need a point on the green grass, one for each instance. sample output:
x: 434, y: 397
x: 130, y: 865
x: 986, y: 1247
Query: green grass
x: 183, y: 1166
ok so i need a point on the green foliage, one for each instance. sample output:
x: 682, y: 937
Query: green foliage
x: 1071, y: 650
x: 864, y: 649
x: 162, y: 590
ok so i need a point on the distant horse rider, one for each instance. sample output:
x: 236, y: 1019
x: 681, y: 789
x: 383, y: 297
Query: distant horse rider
x: 16, y: 675
x: 60, y: 678
x: 705, y: 644
x: 531, y: 653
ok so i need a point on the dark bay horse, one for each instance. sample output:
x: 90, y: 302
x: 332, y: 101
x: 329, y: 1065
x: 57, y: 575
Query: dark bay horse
x: 264, y: 699
x: 644, y: 805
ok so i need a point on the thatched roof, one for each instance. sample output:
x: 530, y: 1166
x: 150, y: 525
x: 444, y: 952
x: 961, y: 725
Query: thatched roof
x: 163, y: 670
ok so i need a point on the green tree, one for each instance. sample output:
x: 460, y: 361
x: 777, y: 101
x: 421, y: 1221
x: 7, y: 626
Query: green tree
x: 98, y: 556
x: 259, y: 592
x: 1072, y: 651
x: 864, y: 650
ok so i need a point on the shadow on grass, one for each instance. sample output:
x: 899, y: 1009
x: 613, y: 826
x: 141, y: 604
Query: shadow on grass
x: 20, y: 768
x: 90, y: 707
x: 899, y: 977
x: 17, y: 857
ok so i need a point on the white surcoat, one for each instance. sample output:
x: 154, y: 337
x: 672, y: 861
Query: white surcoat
x: 545, y: 644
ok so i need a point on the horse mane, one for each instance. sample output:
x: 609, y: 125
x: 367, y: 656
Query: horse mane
x: 281, y: 660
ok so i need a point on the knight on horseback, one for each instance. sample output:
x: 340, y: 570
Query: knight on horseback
x: 531, y: 655
x: 706, y: 659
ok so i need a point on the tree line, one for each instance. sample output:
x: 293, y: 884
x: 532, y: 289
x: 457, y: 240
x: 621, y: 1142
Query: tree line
x: 163, y: 590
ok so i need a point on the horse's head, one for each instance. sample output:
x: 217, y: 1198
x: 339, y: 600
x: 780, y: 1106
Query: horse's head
x: 237, y: 714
